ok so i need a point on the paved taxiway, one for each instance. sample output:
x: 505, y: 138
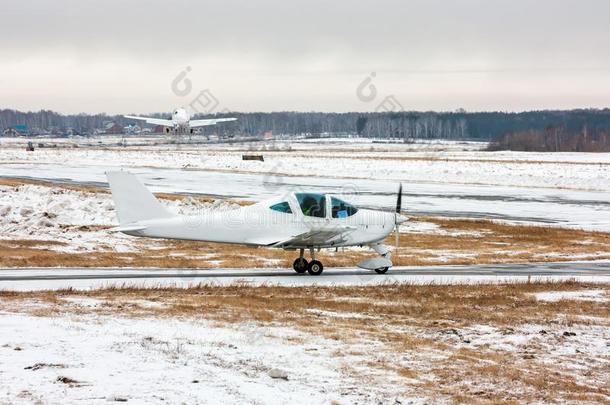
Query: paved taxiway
x: 86, y: 278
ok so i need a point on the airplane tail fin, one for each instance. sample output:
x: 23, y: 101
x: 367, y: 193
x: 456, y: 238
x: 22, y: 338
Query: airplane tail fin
x: 133, y: 201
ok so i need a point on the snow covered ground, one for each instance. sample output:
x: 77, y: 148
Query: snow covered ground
x: 576, y: 171
x: 116, y: 347
x: 161, y: 142
x: 97, y: 351
x: 440, y: 178
x: 114, y: 358
x: 78, y: 221
x: 564, y: 207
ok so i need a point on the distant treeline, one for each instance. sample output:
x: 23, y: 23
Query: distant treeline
x: 554, y: 139
x: 407, y: 125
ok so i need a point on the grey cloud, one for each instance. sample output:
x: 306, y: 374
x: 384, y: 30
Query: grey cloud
x: 265, y: 38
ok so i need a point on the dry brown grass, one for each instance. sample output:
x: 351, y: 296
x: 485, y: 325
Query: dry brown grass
x: 421, y: 329
x: 485, y: 241
x: 462, y: 305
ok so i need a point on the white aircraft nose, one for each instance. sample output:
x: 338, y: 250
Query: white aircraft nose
x: 401, y: 219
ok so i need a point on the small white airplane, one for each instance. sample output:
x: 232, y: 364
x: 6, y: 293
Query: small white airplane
x: 295, y: 221
x: 181, y: 122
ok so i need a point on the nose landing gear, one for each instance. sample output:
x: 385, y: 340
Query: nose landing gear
x: 382, y: 270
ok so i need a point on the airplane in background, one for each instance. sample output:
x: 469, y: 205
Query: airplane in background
x: 181, y: 122
x: 294, y: 221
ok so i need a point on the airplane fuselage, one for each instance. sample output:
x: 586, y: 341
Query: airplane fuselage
x: 260, y: 226
x: 181, y: 118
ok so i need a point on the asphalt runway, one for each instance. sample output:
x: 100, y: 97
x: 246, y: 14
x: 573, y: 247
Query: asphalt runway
x: 87, y: 278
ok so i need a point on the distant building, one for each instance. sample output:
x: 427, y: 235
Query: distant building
x: 113, y: 128
x: 132, y: 129
x: 11, y: 132
x: 55, y: 130
x: 39, y: 131
x: 159, y: 129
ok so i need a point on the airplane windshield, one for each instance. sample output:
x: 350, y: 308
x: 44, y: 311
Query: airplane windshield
x: 282, y: 207
x: 341, y: 209
x: 312, y: 205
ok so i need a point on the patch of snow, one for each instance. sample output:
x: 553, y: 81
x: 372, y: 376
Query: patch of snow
x: 582, y: 295
x: 85, y: 302
x: 147, y: 304
x: 419, y: 227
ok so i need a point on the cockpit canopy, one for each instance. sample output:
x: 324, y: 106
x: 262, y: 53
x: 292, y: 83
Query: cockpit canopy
x: 315, y: 205
x: 312, y: 205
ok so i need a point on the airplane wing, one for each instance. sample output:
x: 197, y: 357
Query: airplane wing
x: 203, y: 123
x: 318, y: 237
x: 153, y: 121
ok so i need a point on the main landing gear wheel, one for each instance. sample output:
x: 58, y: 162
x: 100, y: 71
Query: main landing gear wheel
x: 382, y: 270
x: 315, y: 268
x: 300, y: 265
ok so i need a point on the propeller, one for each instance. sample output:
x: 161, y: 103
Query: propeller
x: 397, y: 219
x: 399, y: 199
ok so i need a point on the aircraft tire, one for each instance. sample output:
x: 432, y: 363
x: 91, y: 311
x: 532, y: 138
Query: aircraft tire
x: 382, y: 270
x: 300, y: 265
x: 315, y: 268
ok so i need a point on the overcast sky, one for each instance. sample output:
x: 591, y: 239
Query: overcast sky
x: 268, y: 55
